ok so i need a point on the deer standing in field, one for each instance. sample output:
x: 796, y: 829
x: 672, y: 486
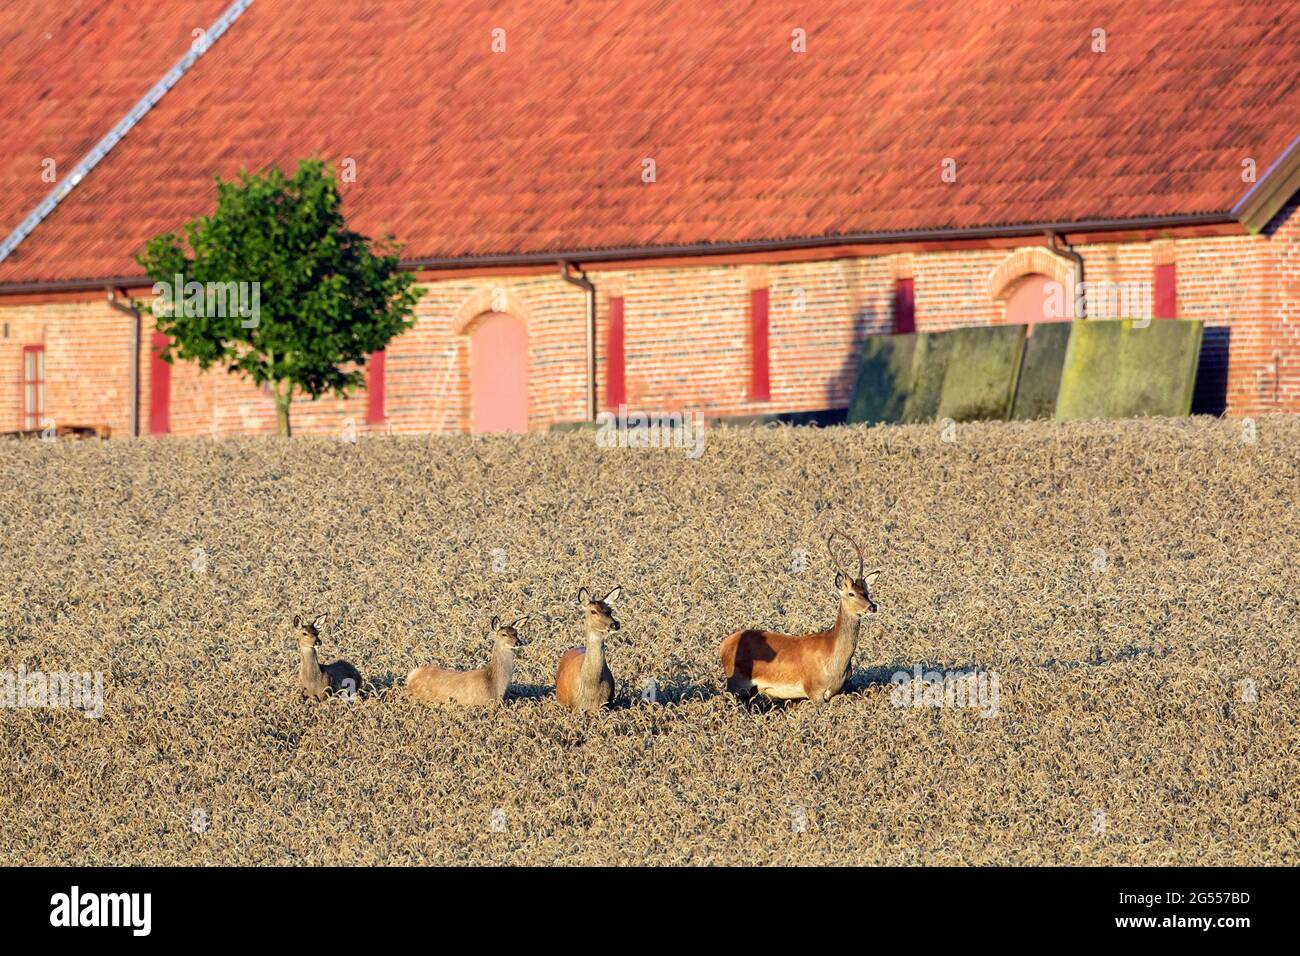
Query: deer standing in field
x: 318, y: 680
x: 478, y: 688
x: 803, y: 666
x: 583, y: 680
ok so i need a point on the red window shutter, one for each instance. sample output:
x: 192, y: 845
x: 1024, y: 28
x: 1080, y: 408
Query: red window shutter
x: 160, y: 387
x: 615, y: 370
x: 1166, y: 291
x: 760, y: 380
x: 375, y: 388
x: 904, y: 305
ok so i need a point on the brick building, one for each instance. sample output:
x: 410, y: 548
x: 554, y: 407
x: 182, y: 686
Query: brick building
x: 748, y: 189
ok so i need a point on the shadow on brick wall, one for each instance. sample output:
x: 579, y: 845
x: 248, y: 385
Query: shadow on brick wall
x: 866, y: 322
x: 1210, y: 395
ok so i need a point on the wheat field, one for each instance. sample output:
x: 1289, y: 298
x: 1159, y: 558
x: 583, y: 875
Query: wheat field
x: 1131, y: 585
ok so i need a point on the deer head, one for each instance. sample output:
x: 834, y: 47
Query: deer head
x: 507, y: 635
x: 309, y: 634
x: 597, y: 615
x: 855, y: 592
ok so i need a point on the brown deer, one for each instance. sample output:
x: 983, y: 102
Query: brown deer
x: 583, y: 680
x: 318, y: 680
x: 803, y: 666
x: 478, y: 688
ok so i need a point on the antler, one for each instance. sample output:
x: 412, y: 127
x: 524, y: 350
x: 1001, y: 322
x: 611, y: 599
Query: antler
x: 839, y: 567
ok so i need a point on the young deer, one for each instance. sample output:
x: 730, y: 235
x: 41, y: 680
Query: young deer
x: 319, y: 681
x: 805, y: 666
x: 583, y: 680
x: 479, y: 688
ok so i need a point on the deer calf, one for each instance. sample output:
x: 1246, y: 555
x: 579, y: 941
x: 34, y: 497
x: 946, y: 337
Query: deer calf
x: 804, y: 666
x: 318, y: 680
x: 584, y: 681
x: 478, y: 688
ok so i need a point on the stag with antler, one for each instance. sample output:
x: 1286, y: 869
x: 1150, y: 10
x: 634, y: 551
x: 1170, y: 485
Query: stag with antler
x: 803, y: 666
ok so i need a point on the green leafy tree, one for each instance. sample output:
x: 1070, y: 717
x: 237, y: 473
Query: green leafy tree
x: 321, y: 298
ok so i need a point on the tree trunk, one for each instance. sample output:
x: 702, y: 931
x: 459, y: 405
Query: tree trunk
x: 282, y: 409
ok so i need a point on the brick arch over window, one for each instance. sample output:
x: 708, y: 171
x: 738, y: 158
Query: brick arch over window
x: 1027, y: 261
x: 477, y: 307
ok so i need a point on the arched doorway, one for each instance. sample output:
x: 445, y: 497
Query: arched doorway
x: 498, y: 374
x: 1038, y: 298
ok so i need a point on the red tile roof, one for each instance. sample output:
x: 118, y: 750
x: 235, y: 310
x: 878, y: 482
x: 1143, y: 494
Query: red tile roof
x: 68, y: 72
x: 460, y: 151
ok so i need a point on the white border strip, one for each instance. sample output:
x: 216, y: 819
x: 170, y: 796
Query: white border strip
x: 1239, y: 208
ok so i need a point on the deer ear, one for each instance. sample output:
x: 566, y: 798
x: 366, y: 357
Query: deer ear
x: 297, y: 621
x: 520, y: 621
x: 320, y: 621
x: 839, y: 580
x: 613, y: 595
x: 583, y: 596
x: 870, y: 579
x: 496, y: 622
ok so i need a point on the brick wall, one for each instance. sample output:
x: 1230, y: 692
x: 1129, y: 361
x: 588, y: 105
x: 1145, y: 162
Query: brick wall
x: 687, y: 334
x: 87, y: 355
x: 1277, y: 352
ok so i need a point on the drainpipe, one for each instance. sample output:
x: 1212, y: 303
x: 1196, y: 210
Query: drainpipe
x: 1060, y: 247
x: 131, y: 310
x: 582, y: 282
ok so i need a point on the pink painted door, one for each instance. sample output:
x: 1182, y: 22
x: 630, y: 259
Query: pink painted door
x: 1038, y: 299
x: 498, y: 375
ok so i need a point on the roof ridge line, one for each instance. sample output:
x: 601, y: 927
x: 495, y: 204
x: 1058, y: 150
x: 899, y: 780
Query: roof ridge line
x: 123, y: 126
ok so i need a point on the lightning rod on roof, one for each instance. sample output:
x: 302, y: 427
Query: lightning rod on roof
x: 114, y: 135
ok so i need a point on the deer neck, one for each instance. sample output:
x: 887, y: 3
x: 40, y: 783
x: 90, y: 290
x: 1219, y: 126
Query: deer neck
x: 310, y: 663
x: 501, y: 669
x: 845, y: 633
x: 593, y: 662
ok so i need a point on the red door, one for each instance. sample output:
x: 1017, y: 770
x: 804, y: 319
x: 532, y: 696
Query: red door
x: 498, y: 375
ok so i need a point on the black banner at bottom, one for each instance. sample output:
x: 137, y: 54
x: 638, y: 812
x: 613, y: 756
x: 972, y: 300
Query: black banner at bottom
x: 754, y: 906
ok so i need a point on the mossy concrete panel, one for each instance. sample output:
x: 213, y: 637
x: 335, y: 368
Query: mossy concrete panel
x: 1119, y: 369
x: 963, y: 374
x: 1040, y: 372
x: 930, y: 365
x: 981, y: 366
x: 886, y: 372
